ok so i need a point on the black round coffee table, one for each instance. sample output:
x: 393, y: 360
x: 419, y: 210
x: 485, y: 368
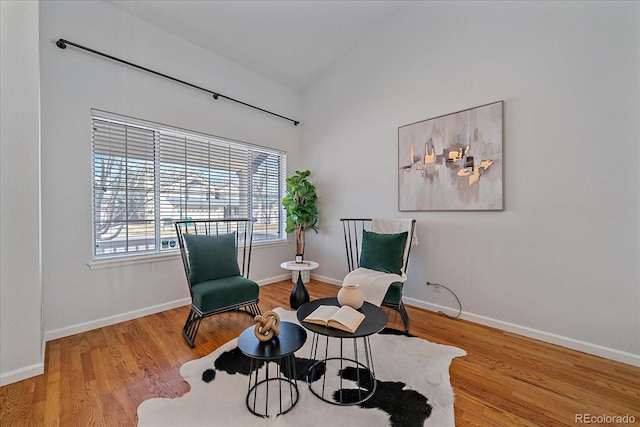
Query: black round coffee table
x: 281, y: 351
x: 336, y: 369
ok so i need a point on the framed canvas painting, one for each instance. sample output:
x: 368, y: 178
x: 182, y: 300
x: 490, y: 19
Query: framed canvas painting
x: 452, y: 162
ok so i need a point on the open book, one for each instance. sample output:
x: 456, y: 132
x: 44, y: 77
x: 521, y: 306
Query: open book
x: 344, y: 318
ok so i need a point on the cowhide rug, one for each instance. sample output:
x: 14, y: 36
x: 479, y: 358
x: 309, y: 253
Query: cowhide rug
x: 412, y: 389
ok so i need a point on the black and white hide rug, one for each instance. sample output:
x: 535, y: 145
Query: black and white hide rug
x: 412, y: 389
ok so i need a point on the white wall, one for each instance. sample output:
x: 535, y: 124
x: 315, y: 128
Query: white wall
x: 561, y: 261
x: 74, y: 81
x: 21, y: 344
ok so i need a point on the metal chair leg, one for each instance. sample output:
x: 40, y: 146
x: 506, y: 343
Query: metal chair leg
x: 402, y: 311
x: 190, y: 329
x: 255, y: 310
x: 404, y: 315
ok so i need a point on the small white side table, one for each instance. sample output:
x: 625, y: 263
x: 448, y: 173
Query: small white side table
x: 299, y: 294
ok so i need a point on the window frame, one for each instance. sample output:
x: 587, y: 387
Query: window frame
x: 159, y: 134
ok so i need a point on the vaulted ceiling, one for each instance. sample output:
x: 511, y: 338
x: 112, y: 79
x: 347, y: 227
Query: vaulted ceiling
x: 292, y: 42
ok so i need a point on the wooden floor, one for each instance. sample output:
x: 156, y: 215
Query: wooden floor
x: 99, y: 378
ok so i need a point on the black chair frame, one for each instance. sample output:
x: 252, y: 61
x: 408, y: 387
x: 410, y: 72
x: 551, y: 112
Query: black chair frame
x: 244, y: 235
x: 352, y: 228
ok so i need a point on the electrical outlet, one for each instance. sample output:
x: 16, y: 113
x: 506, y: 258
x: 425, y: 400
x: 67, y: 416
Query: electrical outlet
x: 436, y: 289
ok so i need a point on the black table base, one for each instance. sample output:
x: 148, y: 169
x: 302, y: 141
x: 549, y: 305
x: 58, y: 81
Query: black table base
x: 299, y: 294
x: 355, y: 381
x: 284, y: 386
x: 277, y: 392
x: 344, y: 372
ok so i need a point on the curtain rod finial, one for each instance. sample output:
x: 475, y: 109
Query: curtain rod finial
x: 61, y: 43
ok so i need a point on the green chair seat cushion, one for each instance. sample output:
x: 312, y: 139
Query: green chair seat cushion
x: 394, y: 293
x: 213, y: 295
x: 383, y: 252
x: 211, y: 256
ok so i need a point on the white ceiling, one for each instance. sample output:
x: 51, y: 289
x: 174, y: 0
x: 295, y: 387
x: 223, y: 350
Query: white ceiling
x: 293, y: 42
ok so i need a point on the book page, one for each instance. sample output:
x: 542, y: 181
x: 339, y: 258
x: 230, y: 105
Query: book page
x: 322, y: 314
x: 346, y: 317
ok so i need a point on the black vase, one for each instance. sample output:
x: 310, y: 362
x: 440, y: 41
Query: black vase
x: 299, y: 294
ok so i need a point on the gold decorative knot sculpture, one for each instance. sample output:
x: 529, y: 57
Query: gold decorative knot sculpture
x: 267, y: 326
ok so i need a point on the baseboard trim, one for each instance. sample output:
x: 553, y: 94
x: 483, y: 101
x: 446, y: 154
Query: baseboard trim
x: 21, y: 374
x: 112, y: 320
x: 326, y: 280
x: 585, y: 347
x: 274, y: 279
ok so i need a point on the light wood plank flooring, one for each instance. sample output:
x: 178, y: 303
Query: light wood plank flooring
x: 98, y: 378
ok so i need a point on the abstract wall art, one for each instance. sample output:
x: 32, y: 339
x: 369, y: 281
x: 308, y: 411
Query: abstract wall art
x: 452, y: 162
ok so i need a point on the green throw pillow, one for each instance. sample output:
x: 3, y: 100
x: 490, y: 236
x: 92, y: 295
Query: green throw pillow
x: 383, y: 252
x: 211, y: 256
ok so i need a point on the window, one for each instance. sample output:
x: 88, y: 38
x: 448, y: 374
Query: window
x: 146, y: 175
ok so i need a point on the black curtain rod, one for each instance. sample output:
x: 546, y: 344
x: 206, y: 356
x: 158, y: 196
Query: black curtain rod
x: 62, y: 44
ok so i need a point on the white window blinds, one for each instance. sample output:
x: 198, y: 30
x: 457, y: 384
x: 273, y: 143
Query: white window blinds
x: 147, y: 175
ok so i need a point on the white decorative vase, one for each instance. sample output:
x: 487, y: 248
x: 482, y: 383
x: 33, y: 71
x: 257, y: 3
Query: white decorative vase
x: 350, y: 294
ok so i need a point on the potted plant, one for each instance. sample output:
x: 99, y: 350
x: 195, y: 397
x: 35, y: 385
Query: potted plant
x: 301, y: 208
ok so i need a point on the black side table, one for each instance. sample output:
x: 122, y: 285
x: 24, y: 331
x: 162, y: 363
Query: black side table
x: 332, y: 373
x: 281, y: 351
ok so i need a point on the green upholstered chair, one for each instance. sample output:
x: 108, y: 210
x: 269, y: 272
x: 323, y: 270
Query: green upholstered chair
x: 358, y: 235
x: 216, y: 255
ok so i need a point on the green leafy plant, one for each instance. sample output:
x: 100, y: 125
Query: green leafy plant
x: 300, y: 205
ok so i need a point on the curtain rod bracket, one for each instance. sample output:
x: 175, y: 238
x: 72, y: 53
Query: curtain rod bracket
x: 62, y: 44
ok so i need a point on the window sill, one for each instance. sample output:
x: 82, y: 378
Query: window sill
x: 269, y: 244
x: 121, y: 261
